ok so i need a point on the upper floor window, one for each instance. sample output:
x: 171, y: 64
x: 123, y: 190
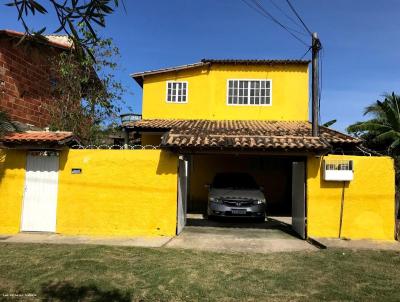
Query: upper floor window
x: 249, y: 92
x: 177, y: 92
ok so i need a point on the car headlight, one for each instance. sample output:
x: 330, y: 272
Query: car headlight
x: 260, y: 201
x: 213, y: 199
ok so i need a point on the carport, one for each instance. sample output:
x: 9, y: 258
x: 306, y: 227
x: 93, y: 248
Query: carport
x: 275, y: 153
x: 281, y: 177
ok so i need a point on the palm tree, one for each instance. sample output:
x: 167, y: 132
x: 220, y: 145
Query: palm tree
x: 382, y: 131
x: 6, y: 124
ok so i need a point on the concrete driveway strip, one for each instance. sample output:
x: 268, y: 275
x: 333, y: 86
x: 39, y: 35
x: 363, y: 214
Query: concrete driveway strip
x: 215, y: 239
x: 61, y: 239
x: 361, y: 244
x: 238, y: 240
x: 205, y: 238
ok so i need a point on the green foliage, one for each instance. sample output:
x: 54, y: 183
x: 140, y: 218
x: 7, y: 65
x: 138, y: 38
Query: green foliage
x: 329, y: 123
x: 382, y: 131
x: 70, y: 14
x: 86, y: 94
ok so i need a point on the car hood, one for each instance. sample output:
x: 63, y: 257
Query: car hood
x: 236, y: 193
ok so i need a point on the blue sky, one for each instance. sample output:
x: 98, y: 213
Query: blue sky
x: 361, y: 40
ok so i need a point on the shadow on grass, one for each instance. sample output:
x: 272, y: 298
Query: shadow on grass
x: 65, y: 291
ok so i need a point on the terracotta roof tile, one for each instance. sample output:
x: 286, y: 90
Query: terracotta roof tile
x: 61, y: 41
x: 288, y: 135
x: 37, y: 137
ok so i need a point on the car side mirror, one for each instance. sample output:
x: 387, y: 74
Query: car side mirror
x: 207, y: 186
x: 261, y: 188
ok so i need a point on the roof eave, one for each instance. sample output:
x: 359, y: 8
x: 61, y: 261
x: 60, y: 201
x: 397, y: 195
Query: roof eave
x: 139, y: 76
x: 257, y: 62
x: 17, y: 34
x: 249, y: 150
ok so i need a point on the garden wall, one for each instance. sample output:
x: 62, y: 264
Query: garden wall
x: 369, y: 200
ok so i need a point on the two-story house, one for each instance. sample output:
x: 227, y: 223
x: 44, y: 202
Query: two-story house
x: 237, y: 115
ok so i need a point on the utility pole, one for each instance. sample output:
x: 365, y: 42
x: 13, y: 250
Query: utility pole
x: 316, y: 47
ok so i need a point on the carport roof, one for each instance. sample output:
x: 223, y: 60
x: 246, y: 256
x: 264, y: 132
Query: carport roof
x: 242, y: 134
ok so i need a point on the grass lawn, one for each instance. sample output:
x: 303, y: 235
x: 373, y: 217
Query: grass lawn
x: 104, y: 273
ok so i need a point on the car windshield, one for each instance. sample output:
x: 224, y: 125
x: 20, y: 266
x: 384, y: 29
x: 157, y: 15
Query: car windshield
x: 234, y: 181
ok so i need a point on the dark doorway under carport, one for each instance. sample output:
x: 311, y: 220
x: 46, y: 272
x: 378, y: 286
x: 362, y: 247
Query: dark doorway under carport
x: 273, y: 173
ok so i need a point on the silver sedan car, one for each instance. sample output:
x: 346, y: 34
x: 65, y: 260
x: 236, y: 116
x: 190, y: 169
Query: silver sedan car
x: 236, y: 195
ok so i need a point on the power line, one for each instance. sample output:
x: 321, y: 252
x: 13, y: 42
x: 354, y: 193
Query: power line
x: 297, y: 15
x: 288, y: 17
x: 261, y: 10
x: 288, y: 29
x: 308, y: 50
x: 316, y: 45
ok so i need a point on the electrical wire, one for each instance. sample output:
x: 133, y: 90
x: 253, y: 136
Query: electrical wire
x: 288, y: 17
x: 261, y: 10
x: 288, y: 29
x: 341, y: 210
x: 298, y: 16
x: 308, y: 50
x: 258, y: 7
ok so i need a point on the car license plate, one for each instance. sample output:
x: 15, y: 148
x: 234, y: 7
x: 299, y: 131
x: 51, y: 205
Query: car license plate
x: 239, y: 211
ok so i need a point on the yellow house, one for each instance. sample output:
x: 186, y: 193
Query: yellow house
x: 252, y: 116
x: 198, y: 120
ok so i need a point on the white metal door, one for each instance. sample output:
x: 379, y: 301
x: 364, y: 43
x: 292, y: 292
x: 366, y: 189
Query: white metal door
x: 299, y: 199
x: 40, y: 195
x: 182, y: 194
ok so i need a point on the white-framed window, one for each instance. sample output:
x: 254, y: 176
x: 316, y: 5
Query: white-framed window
x: 177, y: 92
x: 249, y: 92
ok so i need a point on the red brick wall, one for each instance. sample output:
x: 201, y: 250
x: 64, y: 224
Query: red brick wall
x: 25, y: 81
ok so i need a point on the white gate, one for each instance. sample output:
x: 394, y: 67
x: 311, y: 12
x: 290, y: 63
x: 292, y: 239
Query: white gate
x: 299, y: 199
x: 40, y: 193
x: 182, y: 193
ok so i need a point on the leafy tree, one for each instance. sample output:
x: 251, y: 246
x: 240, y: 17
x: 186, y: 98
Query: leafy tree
x: 382, y: 131
x: 70, y: 14
x: 86, y: 93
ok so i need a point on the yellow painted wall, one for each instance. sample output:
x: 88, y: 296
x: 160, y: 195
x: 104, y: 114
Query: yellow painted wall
x: 12, y: 179
x: 207, y: 93
x: 120, y: 192
x: 369, y: 200
x: 133, y: 192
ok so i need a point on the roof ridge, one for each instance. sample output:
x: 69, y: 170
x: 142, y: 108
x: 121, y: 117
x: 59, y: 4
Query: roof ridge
x: 138, y: 76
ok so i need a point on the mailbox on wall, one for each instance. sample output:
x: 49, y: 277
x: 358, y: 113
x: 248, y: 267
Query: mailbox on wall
x: 338, y: 170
